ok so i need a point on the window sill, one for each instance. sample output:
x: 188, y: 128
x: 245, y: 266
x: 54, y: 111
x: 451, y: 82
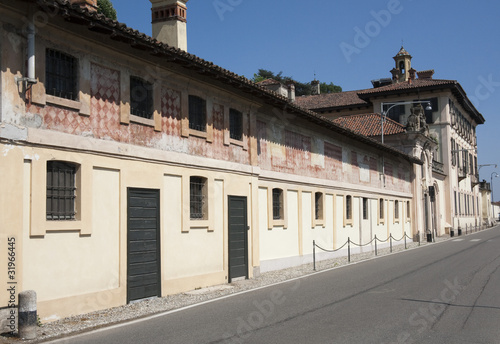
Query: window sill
x: 236, y: 142
x: 67, y: 103
x: 141, y: 120
x: 200, y: 224
x: 278, y: 223
x: 65, y: 225
x: 197, y: 133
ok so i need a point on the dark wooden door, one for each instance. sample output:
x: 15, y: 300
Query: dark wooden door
x: 237, y: 237
x: 143, y: 244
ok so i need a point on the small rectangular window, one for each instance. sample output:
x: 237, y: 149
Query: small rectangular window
x: 365, y: 208
x: 348, y: 207
x: 277, y: 204
x: 381, y: 209
x: 197, y: 113
x: 235, y: 125
x: 408, y: 209
x: 197, y: 198
x: 396, y: 209
x: 61, y: 75
x: 318, y: 205
x: 141, y: 98
x: 61, y: 190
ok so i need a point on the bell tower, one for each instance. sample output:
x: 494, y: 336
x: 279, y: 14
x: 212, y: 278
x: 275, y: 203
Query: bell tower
x: 403, y: 69
x: 169, y: 22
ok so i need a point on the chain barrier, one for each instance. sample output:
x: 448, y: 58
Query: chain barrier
x: 349, y: 242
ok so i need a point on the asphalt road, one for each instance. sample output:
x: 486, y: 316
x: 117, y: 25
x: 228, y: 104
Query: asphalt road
x: 442, y: 293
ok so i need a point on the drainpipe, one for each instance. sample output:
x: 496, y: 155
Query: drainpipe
x: 31, y: 53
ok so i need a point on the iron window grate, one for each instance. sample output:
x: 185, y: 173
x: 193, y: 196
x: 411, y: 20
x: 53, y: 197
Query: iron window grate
x: 197, y: 198
x: 61, y: 191
x: 197, y: 113
x: 61, y: 74
x: 141, y: 98
x: 277, y: 203
x: 235, y: 125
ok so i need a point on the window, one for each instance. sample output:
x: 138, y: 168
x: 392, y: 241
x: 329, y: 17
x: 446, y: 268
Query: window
x: 197, y: 113
x: 197, y: 198
x: 396, y: 210
x: 408, y: 209
x: 453, y: 152
x: 456, y: 205
x: 61, y: 74
x: 348, y: 207
x: 395, y: 112
x: 318, y: 206
x: 235, y: 125
x: 277, y: 204
x: 365, y: 208
x: 141, y: 98
x: 61, y: 190
x: 381, y: 209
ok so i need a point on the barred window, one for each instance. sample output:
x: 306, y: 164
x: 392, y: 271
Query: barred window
x: 381, y: 209
x: 61, y: 190
x: 277, y: 204
x: 197, y: 198
x: 61, y: 74
x: 365, y: 208
x: 141, y: 97
x: 348, y: 207
x: 396, y: 209
x: 197, y: 113
x: 235, y: 125
x: 408, y: 209
x: 318, y: 205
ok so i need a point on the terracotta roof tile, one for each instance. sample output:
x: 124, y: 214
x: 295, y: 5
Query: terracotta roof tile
x: 326, y: 100
x: 369, y: 124
x: 403, y: 86
x: 268, y: 82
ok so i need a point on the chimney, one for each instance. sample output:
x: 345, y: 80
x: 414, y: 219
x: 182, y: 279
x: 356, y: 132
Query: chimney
x: 90, y: 5
x: 426, y: 74
x: 291, y: 91
x: 315, y: 90
x: 169, y: 22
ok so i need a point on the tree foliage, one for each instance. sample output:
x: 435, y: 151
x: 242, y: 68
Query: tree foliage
x: 106, y: 7
x: 301, y: 88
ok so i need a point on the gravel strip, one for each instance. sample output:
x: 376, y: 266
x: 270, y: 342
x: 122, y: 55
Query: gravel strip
x: 94, y: 320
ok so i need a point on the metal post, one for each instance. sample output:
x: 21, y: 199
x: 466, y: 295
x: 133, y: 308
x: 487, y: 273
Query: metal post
x: 314, y: 255
x: 27, y: 314
x: 349, y: 249
x: 405, y: 241
x: 390, y: 239
x: 375, y: 244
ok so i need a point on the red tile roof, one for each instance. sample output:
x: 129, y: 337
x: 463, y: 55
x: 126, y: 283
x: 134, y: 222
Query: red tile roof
x: 369, y: 124
x: 421, y: 84
x: 327, y: 100
x: 268, y: 82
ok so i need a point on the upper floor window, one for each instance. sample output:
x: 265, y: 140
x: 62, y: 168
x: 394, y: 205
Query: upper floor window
x: 141, y: 97
x: 277, y: 204
x: 197, y: 198
x: 197, y: 113
x: 61, y: 74
x: 235, y: 125
x: 61, y: 190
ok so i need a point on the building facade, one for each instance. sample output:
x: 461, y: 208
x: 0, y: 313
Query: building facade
x: 437, y: 121
x: 133, y: 169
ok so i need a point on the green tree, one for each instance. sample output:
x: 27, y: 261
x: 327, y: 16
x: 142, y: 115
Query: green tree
x: 106, y: 7
x: 301, y: 88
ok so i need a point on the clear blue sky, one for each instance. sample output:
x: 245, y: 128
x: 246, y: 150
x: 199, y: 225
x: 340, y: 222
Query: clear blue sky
x: 459, y: 39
